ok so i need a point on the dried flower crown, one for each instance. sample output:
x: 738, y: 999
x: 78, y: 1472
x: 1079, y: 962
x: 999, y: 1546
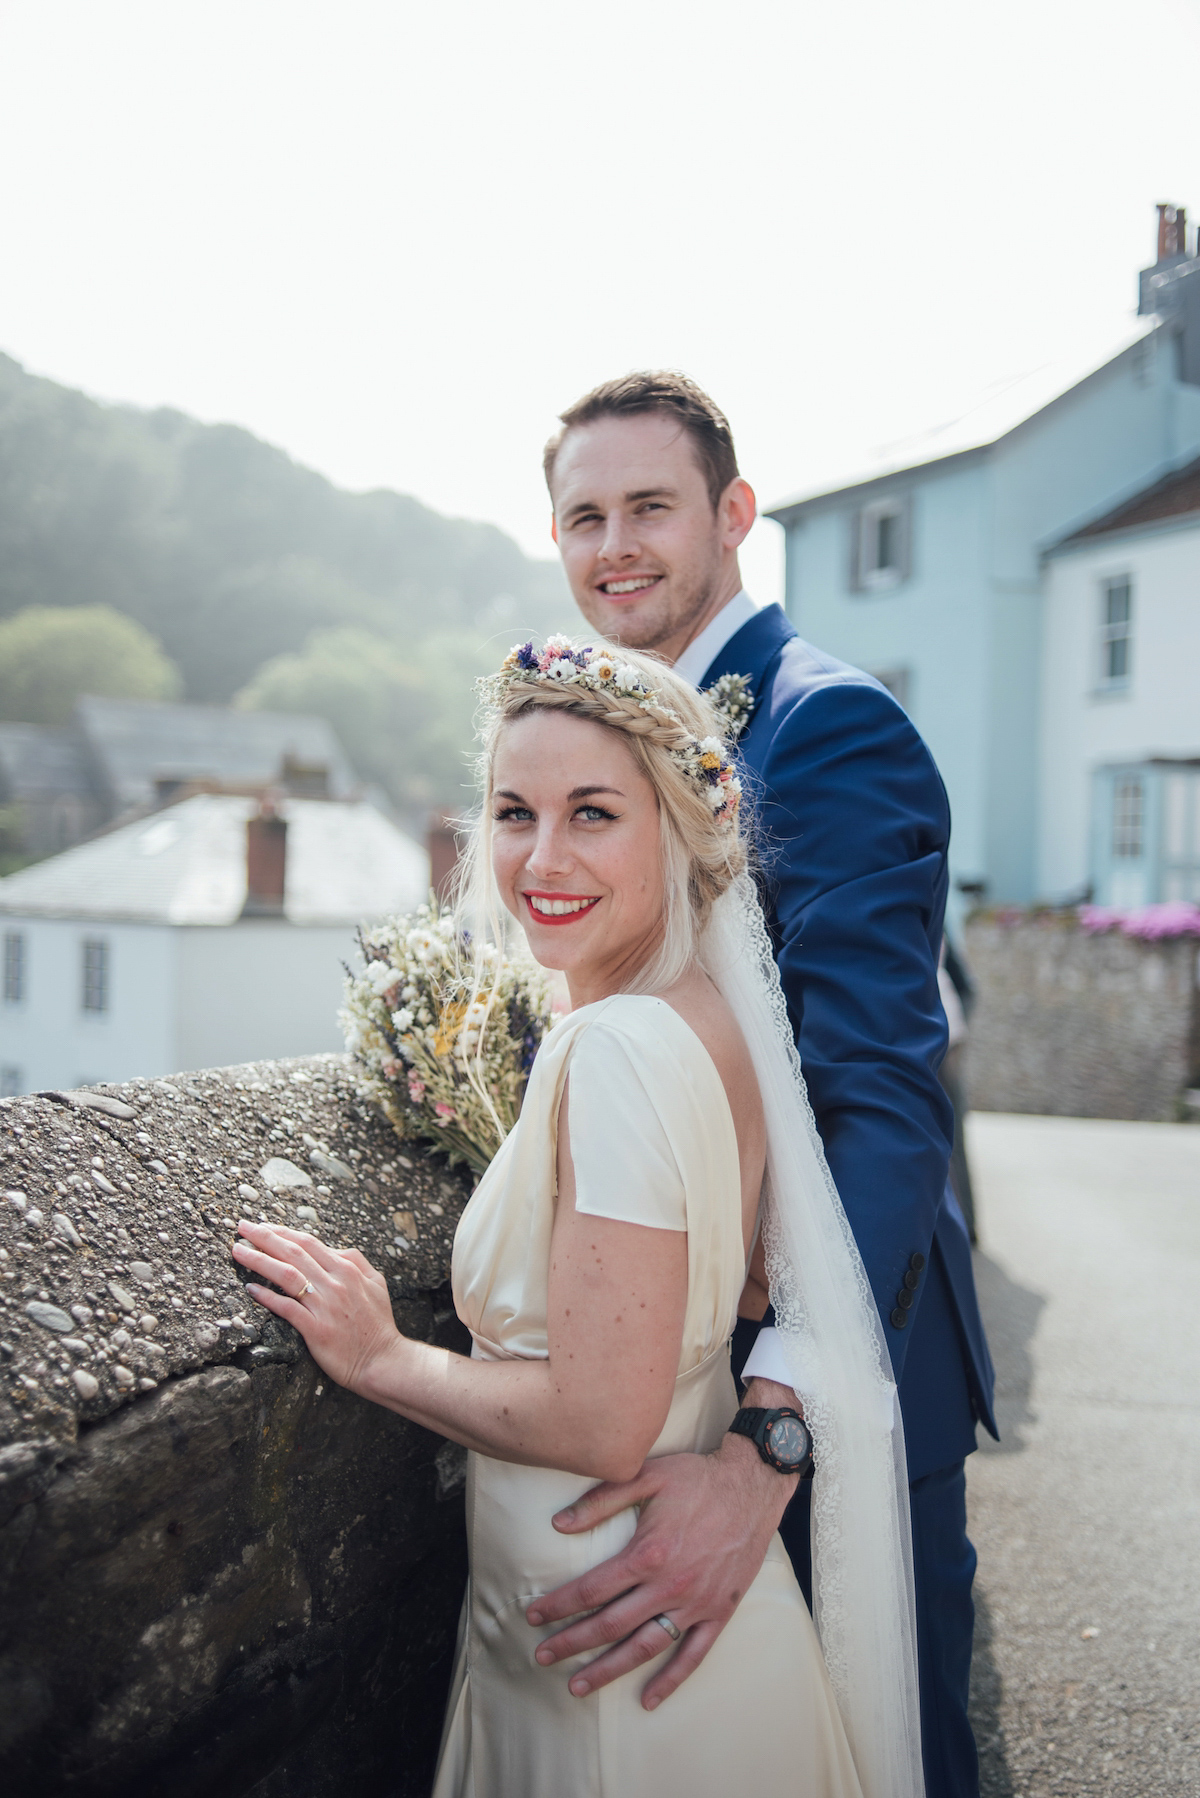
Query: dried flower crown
x: 706, y: 760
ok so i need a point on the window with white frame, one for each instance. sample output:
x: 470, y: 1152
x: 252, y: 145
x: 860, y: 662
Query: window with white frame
x: 880, y: 544
x: 1116, y: 634
x: 1128, y: 819
x: 15, y: 967
x: 95, y: 994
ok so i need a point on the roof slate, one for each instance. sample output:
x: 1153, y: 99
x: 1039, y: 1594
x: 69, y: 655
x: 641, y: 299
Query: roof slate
x: 187, y: 865
x: 1002, y: 409
x: 137, y: 742
x: 35, y: 761
x: 1173, y: 497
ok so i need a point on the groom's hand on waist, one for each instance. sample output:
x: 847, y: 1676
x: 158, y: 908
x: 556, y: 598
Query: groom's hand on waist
x: 704, y: 1528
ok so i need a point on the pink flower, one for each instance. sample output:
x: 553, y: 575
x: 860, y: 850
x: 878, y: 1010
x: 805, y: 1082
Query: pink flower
x: 1169, y: 918
x: 444, y: 1113
x: 416, y: 1088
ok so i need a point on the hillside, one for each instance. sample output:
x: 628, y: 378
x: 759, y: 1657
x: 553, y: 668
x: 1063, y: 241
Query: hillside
x: 226, y: 549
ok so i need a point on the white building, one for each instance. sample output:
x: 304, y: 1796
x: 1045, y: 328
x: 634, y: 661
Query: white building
x: 207, y: 934
x: 1120, y: 703
x: 974, y: 570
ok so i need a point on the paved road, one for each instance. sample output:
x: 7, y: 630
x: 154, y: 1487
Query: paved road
x: 1087, y: 1516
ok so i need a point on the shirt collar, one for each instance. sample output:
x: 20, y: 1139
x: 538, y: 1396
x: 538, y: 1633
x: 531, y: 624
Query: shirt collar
x: 703, y: 650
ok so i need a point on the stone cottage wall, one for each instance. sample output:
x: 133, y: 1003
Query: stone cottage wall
x: 1077, y: 1025
x: 220, y: 1574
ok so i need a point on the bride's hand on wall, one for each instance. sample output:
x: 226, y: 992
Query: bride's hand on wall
x: 334, y: 1297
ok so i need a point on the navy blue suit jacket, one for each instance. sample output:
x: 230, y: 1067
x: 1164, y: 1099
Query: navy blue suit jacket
x: 852, y: 826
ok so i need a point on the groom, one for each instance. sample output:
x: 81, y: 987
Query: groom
x: 649, y: 512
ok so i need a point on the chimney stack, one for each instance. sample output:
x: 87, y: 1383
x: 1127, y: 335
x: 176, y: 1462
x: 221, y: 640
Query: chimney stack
x: 1172, y: 232
x: 266, y: 863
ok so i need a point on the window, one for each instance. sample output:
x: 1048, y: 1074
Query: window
x: 11, y: 1082
x: 1128, y: 812
x: 880, y: 544
x: 1116, y: 634
x: 14, y: 967
x: 95, y: 974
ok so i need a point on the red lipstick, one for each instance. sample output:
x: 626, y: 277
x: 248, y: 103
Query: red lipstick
x: 586, y: 902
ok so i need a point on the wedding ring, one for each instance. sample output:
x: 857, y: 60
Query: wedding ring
x: 672, y: 1629
x: 307, y: 1287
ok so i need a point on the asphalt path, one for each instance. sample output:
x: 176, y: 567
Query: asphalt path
x: 1087, y: 1515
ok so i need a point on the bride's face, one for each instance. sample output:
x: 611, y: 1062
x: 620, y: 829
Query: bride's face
x: 576, y: 849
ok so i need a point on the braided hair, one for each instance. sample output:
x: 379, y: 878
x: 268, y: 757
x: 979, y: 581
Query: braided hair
x: 702, y: 852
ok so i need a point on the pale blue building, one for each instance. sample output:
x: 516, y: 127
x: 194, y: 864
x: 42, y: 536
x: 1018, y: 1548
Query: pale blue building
x: 930, y: 571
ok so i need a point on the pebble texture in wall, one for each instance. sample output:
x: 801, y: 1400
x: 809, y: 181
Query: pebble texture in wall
x: 1077, y: 1025
x: 219, y: 1573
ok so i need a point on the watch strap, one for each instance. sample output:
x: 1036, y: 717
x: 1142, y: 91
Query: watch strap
x: 754, y: 1421
x: 750, y: 1422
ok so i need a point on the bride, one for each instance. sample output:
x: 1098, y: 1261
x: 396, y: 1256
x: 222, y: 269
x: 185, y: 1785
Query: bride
x: 599, y: 1266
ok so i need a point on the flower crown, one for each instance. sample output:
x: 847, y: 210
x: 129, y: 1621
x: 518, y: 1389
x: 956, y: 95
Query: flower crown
x: 706, y: 760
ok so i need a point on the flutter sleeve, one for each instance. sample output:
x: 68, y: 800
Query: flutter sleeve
x: 625, y: 1165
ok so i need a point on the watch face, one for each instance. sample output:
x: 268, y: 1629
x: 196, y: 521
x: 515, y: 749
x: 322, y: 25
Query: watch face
x: 787, y: 1440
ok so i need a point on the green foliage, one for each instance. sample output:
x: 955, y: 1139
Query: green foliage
x: 405, y: 717
x: 49, y: 655
x: 226, y: 550
x: 258, y: 578
x: 12, y: 837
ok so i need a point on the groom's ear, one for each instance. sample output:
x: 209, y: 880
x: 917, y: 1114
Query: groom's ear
x: 554, y: 527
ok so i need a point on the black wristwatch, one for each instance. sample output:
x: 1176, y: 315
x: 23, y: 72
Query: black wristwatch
x: 781, y: 1437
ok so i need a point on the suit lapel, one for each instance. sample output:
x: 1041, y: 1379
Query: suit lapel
x: 753, y: 651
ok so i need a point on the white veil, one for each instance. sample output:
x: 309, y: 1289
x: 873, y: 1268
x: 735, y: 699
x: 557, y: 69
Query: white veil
x: 834, y: 1345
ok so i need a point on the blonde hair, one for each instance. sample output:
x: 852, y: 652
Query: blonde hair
x: 701, y: 854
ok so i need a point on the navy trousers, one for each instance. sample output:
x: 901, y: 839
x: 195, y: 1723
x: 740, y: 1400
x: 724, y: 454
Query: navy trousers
x: 943, y: 1570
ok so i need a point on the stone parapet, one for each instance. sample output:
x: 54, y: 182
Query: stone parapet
x: 1074, y: 1024
x: 220, y: 1574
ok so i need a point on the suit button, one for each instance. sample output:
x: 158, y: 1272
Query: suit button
x: 916, y: 1262
x: 904, y: 1298
x: 899, y: 1318
x: 912, y: 1280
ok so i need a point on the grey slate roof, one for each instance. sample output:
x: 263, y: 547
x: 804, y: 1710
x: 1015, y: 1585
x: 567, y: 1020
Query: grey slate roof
x: 995, y: 415
x: 1175, y: 496
x: 187, y: 865
x: 135, y: 743
x: 36, y: 761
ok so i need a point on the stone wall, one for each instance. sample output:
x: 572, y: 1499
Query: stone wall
x: 220, y: 1574
x: 1077, y: 1025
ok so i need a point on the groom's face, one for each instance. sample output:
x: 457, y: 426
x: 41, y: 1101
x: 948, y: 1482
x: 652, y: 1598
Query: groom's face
x: 644, y: 552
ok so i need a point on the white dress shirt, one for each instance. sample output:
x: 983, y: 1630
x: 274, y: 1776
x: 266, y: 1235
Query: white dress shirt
x: 766, y: 1359
x: 703, y: 650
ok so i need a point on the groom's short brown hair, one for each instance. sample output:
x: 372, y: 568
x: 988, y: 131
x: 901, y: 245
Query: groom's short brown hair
x: 676, y: 397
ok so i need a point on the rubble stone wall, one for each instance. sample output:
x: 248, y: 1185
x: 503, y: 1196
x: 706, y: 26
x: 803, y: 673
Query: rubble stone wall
x: 1076, y: 1025
x: 220, y: 1574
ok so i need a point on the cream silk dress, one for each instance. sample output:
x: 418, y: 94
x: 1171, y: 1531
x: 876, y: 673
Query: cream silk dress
x: 653, y: 1143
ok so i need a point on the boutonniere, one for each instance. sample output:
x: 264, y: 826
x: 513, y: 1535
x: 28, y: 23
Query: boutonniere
x: 732, y: 699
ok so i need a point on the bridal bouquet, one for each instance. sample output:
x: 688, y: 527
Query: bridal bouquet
x: 445, y: 1047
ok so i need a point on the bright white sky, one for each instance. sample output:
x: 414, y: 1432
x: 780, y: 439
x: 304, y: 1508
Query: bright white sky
x: 396, y: 238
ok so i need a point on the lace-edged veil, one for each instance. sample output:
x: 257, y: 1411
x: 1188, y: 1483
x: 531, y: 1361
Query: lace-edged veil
x: 842, y: 1373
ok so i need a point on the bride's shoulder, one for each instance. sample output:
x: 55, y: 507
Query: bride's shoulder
x: 639, y: 1023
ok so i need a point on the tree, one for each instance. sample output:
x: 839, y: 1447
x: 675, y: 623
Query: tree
x: 403, y: 716
x: 227, y: 550
x: 49, y: 655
